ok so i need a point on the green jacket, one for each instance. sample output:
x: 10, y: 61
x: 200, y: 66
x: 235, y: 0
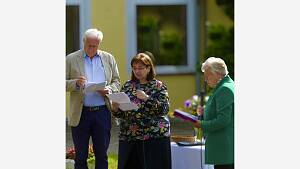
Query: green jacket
x: 218, y: 124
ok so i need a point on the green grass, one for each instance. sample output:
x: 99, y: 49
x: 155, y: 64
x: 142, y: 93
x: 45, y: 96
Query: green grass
x: 112, y: 161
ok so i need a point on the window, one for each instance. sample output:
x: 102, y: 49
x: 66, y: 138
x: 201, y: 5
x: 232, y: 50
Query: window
x: 165, y: 28
x: 77, y: 21
x: 72, y: 28
x: 162, y: 30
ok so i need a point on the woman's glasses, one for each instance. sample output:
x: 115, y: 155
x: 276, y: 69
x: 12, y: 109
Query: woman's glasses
x: 138, y: 68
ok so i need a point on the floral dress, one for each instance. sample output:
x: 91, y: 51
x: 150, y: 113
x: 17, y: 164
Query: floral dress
x: 150, y: 120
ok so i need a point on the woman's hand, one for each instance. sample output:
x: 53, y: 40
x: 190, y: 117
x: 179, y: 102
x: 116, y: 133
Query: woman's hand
x: 197, y: 124
x: 200, y: 110
x: 142, y: 95
x: 115, y: 106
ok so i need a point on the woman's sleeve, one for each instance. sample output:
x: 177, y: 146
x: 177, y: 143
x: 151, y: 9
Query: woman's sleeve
x: 126, y: 88
x: 224, y: 100
x: 158, y: 103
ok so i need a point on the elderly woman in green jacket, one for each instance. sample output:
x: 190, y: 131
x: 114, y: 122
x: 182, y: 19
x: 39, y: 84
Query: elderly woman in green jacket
x: 218, y: 115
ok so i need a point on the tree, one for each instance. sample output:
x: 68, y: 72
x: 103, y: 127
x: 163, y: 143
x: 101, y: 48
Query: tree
x: 221, y: 40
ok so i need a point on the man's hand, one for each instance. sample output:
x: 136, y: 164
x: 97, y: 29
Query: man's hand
x: 104, y: 91
x: 81, y: 81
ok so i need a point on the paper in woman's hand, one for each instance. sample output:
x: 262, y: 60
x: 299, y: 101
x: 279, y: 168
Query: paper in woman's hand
x: 94, y: 86
x: 185, y: 116
x: 128, y: 106
x: 123, y: 100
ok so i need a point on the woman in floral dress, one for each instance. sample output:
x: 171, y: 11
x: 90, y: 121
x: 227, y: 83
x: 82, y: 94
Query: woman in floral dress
x: 144, y: 138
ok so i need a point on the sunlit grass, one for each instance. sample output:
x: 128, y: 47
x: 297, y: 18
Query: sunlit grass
x: 112, y: 161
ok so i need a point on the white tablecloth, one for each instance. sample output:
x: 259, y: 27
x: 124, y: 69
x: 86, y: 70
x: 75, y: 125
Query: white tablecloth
x: 188, y: 157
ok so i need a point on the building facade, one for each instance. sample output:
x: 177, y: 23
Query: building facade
x: 175, y: 31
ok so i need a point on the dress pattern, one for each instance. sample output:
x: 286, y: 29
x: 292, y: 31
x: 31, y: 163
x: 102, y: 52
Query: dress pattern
x: 150, y: 120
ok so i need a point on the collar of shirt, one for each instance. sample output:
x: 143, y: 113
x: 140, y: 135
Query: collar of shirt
x: 86, y: 56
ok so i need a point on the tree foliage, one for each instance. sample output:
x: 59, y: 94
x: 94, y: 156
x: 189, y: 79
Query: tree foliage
x: 221, y: 40
x: 228, y: 7
x: 222, y: 45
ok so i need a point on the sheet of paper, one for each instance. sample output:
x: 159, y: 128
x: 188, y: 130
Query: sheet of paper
x: 94, y: 86
x: 123, y: 100
x: 120, y: 97
x: 128, y: 106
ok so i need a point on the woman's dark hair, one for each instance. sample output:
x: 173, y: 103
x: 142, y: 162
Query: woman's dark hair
x: 145, y: 60
x: 151, y: 57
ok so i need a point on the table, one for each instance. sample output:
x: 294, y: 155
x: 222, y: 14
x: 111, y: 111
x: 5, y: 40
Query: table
x: 188, y: 157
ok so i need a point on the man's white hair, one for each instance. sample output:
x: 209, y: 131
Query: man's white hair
x: 215, y: 65
x: 93, y: 33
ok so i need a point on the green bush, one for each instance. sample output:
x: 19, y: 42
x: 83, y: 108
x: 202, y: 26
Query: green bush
x: 222, y: 45
x: 221, y: 40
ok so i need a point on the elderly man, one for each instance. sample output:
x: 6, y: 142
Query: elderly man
x: 218, y: 121
x: 89, y: 111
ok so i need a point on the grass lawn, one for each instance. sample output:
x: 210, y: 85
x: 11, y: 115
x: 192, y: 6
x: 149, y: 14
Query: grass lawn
x: 112, y: 161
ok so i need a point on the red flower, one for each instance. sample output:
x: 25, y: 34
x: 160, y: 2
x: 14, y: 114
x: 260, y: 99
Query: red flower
x: 70, y: 153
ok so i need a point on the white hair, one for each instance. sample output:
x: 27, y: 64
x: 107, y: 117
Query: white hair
x: 93, y: 33
x: 215, y: 65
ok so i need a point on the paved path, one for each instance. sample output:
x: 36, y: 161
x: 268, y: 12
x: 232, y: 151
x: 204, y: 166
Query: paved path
x: 177, y: 127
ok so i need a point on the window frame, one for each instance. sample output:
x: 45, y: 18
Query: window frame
x: 191, y: 18
x: 84, y: 16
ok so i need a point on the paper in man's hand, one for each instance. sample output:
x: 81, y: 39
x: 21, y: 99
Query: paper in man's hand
x: 94, y: 86
x: 123, y: 100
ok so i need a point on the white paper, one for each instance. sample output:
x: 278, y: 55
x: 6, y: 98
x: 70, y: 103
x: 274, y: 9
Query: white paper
x: 128, y: 106
x: 94, y: 86
x: 123, y: 100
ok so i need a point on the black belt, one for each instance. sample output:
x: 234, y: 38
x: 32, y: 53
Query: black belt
x: 93, y: 108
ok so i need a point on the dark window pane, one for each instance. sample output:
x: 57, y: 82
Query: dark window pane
x: 161, y: 29
x: 72, y: 29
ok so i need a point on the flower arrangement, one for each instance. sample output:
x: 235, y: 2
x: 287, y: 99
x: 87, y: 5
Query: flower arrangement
x: 191, y: 105
x: 70, y: 154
